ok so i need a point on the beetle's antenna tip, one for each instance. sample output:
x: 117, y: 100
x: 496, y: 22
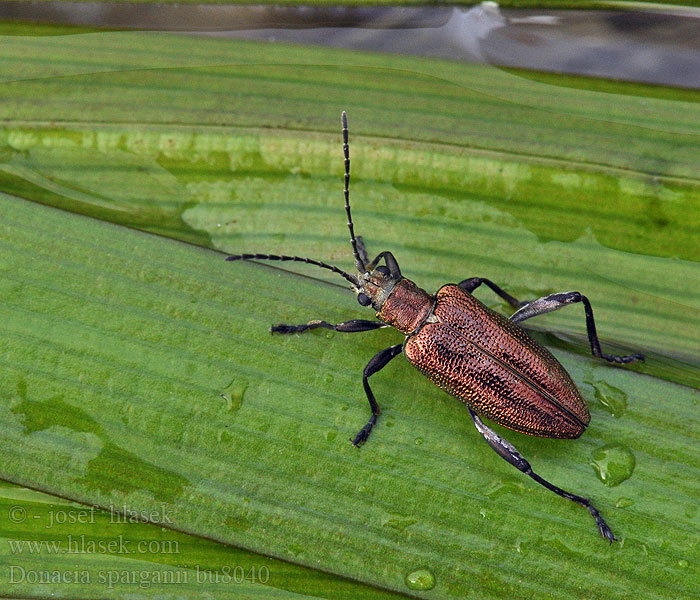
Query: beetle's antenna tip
x: 344, y: 119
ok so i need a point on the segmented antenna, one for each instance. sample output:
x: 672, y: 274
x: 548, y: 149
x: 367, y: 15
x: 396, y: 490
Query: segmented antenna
x: 351, y: 278
x: 346, y: 151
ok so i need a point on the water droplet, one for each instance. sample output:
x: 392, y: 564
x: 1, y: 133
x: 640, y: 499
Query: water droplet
x: 234, y: 397
x: 330, y: 435
x: 420, y: 579
x: 389, y: 424
x: 361, y: 488
x: 613, y: 464
x: 418, y: 441
x: 499, y: 488
x: 329, y: 378
x: 624, y: 502
x: 612, y: 399
x: 224, y: 436
x: 398, y: 522
x: 683, y: 564
x: 344, y: 407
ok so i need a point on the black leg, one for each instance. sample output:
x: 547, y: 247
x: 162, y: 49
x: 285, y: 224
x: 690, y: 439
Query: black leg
x: 557, y: 301
x: 507, y: 451
x: 390, y: 262
x: 378, y: 362
x: 354, y: 326
x: 362, y: 251
x: 472, y: 283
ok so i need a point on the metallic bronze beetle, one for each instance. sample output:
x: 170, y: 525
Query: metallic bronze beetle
x: 473, y: 353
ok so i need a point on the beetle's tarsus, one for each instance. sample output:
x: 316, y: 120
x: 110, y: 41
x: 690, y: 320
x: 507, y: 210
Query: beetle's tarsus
x: 603, y: 527
x: 624, y: 359
x: 363, y: 434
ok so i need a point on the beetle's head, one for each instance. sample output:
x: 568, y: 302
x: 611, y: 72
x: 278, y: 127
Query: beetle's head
x: 376, y: 283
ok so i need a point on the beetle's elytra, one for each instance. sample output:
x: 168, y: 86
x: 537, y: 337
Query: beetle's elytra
x: 473, y: 353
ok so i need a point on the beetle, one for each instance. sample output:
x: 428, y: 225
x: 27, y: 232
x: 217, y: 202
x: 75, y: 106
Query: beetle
x: 481, y: 357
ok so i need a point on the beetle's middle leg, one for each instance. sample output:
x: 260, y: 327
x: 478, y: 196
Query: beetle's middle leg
x: 507, y: 451
x: 353, y: 326
x: 469, y: 285
x: 557, y: 301
x: 378, y: 362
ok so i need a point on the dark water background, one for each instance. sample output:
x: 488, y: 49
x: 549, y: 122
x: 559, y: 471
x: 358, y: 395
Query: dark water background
x: 659, y: 46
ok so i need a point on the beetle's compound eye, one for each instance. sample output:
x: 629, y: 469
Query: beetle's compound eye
x: 363, y: 299
x: 383, y: 270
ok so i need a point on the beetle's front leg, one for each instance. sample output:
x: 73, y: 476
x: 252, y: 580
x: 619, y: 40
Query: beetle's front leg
x: 378, y: 362
x: 507, y: 451
x: 354, y: 326
x: 557, y: 301
x: 361, y: 249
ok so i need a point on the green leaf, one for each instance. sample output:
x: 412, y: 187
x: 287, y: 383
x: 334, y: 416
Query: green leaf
x: 140, y: 371
x: 52, y: 546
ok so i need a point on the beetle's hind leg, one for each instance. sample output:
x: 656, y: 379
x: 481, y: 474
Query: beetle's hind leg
x: 507, y: 451
x: 557, y: 301
x: 354, y: 326
x: 378, y: 362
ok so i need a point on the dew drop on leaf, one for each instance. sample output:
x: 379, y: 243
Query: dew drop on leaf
x: 233, y: 394
x: 612, y: 399
x: 420, y: 579
x: 613, y: 463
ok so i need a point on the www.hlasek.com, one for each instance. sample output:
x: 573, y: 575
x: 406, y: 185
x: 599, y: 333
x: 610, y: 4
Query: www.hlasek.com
x: 82, y: 544
x: 144, y: 579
